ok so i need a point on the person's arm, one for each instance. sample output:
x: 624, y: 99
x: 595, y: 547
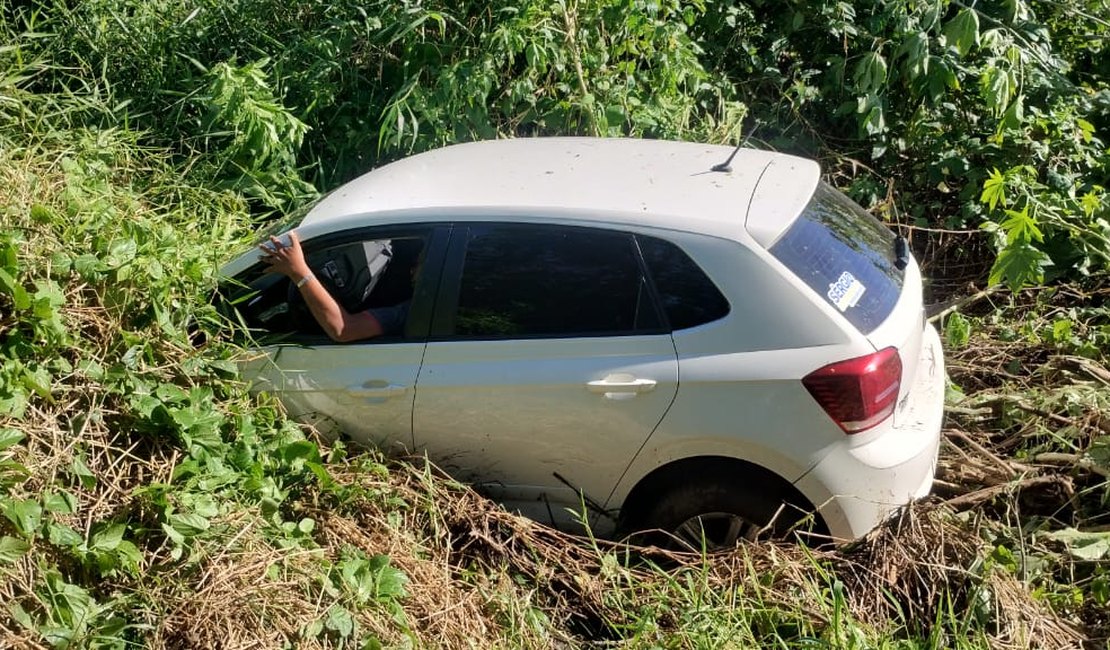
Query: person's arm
x: 339, y: 324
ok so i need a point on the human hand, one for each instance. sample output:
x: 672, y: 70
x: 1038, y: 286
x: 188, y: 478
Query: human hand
x: 287, y: 260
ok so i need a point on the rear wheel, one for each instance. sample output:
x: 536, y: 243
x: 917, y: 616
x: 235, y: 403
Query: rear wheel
x: 712, y: 512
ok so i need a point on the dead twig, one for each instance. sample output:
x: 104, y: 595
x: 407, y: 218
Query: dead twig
x: 977, y: 497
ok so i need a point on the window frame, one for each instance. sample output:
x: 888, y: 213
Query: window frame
x: 450, y: 289
x: 426, y: 286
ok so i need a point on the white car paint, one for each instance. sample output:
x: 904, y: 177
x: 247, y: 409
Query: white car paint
x: 513, y: 414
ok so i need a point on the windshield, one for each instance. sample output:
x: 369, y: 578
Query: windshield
x: 288, y: 222
x: 846, y: 255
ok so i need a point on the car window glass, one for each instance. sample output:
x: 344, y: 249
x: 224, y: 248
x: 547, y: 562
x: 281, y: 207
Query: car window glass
x: 360, y: 275
x: 689, y: 297
x: 537, y: 281
x: 846, y: 255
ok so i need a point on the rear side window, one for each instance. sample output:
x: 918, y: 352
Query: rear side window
x: 846, y: 255
x: 529, y: 281
x: 689, y: 297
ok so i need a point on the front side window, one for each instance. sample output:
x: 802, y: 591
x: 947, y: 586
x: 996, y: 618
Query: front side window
x: 366, y: 274
x: 531, y: 281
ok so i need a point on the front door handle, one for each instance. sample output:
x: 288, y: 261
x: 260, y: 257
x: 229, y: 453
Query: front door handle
x: 377, y: 388
x: 621, y: 386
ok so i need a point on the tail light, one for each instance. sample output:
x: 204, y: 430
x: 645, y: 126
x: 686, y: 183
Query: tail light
x: 858, y: 393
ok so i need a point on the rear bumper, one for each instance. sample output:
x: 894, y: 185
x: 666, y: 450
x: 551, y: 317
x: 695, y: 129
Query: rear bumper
x: 856, y: 487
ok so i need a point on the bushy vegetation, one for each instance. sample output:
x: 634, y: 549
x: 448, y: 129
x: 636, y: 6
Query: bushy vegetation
x: 148, y: 499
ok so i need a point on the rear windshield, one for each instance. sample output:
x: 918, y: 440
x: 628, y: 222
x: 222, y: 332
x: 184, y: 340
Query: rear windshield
x: 845, y: 255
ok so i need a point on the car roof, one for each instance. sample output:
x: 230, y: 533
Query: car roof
x: 655, y: 183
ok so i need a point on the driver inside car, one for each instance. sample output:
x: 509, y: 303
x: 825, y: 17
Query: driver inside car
x: 339, y: 324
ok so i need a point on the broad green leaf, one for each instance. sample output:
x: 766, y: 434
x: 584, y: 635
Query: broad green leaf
x: 176, y: 536
x: 120, y: 252
x: 994, y: 190
x: 171, y: 393
x: 996, y: 86
x: 189, y: 525
x: 1085, y: 128
x: 872, y: 120
x: 1015, y: 113
x: 25, y: 515
x: 940, y: 79
x: 39, y: 381
x: 339, y: 621
x: 11, y: 549
x: 962, y: 31
x: 1021, y: 228
x: 108, y: 538
x: 8, y: 284
x: 62, y: 535
x: 83, y: 473
x: 41, y: 213
x: 1090, y: 202
x: 1090, y: 546
x: 9, y: 437
x: 915, y: 50
x: 127, y: 557
x: 60, y: 502
x: 957, y: 330
x: 1018, y: 265
x: 870, y: 74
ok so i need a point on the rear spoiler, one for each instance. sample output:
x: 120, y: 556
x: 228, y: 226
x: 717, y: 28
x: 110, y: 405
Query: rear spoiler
x: 783, y: 191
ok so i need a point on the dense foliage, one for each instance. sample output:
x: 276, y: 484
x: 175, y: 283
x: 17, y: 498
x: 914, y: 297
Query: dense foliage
x: 148, y: 499
x: 941, y: 113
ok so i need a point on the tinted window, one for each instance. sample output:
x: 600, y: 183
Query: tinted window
x: 550, y: 281
x: 689, y: 297
x: 845, y: 255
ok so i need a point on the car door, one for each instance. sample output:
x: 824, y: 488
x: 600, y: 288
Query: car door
x: 548, y: 365
x: 362, y: 389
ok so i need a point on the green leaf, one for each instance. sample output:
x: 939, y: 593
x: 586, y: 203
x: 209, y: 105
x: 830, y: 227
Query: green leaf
x: 62, y: 535
x: 1090, y: 546
x: 870, y: 74
x: 20, y: 299
x: 957, y: 330
x: 1090, y: 202
x: 60, y: 502
x: 915, y: 49
x: 107, y: 539
x: 39, y: 381
x: 339, y: 620
x: 11, y: 549
x: 1015, y: 113
x: 9, y: 437
x: 940, y: 79
x: 173, y: 534
x: 1021, y: 228
x: 994, y: 190
x: 83, y: 473
x: 962, y: 31
x: 1018, y: 265
x: 189, y: 525
x: 872, y: 119
x: 996, y: 86
x: 25, y: 515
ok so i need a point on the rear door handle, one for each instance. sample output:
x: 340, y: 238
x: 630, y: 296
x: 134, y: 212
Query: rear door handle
x: 377, y: 388
x: 621, y: 386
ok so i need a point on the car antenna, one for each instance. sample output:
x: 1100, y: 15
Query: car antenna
x: 726, y: 166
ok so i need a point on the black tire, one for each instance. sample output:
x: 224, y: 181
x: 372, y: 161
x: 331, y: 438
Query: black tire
x: 712, y: 512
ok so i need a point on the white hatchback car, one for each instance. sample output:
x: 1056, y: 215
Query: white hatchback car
x: 623, y: 327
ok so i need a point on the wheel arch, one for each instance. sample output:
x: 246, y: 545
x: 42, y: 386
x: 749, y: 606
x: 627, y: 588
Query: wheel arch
x: 654, y: 484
